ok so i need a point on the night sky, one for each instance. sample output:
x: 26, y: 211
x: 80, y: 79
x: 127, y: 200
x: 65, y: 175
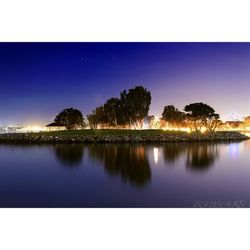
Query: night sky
x: 37, y: 80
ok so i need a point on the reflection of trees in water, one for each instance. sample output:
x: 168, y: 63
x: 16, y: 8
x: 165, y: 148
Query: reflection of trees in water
x: 201, y: 156
x: 172, y: 151
x: 129, y: 161
x: 69, y: 155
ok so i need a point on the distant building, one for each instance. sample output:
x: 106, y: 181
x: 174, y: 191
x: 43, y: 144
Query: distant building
x: 55, y: 127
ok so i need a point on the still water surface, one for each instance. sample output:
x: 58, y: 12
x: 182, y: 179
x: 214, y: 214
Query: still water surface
x: 125, y: 175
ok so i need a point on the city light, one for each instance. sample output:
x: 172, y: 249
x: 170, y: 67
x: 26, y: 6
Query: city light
x: 181, y: 129
x: 37, y: 128
x: 30, y: 129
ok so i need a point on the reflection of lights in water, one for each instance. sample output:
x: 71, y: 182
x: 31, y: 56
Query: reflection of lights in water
x: 234, y: 150
x: 156, y: 155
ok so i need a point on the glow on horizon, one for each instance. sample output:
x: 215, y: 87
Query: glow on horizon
x: 33, y: 128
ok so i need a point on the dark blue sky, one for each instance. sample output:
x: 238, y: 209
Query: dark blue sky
x: 37, y: 80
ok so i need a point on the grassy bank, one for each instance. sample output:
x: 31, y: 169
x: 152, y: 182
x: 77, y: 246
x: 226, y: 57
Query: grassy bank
x: 119, y: 136
x: 108, y: 132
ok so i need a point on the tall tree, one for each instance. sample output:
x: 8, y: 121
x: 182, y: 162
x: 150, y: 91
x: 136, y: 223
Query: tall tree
x: 71, y: 118
x: 111, y: 111
x: 130, y: 109
x: 138, y: 103
x: 124, y: 114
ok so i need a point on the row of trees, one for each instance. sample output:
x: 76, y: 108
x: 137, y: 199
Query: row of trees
x: 126, y: 111
x: 195, y: 116
x: 131, y: 109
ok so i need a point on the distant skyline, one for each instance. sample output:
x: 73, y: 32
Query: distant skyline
x: 38, y: 80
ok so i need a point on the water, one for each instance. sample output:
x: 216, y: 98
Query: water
x: 123, y: 175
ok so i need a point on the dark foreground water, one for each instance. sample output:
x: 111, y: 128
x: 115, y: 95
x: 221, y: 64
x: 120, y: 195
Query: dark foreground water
x: 108, y: 175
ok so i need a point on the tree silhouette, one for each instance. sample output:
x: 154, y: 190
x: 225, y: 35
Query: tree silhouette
x: 130, y: 109
x: 173, y: 116
x: 138, y: 103
x: 111, y: 111
x: 97, y: 117
x: 202, y: 115
x: 71, y: 118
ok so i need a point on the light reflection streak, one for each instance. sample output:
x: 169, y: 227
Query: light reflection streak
x: 156, y: 155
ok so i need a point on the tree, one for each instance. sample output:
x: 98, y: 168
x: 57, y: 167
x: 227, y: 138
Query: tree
x: 124, y: 113
x: 173, y: 116
x: 97, y: 117
x: 138, y: 101
x: 212, y: 122
x: 100, y: 115
x: 202, y: 115
x: 71, y: 118
x: 130, y: 109
x: 92, y: 120
x: 111, y: 111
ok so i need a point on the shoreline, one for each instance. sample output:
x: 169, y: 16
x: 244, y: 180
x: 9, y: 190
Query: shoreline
x: 125, y: 137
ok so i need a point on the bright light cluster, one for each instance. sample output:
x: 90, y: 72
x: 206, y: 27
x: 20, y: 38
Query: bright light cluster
x: 188, y: 130
x: 33, y: 129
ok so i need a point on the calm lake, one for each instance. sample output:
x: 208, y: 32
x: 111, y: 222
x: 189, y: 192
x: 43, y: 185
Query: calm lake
x: 126, y: 175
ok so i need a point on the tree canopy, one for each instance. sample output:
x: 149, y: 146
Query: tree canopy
x: 173, y: 116
x: 202, y: 115
x: 138, y: 103
x: 111, y: 111
x: 71, y: 118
